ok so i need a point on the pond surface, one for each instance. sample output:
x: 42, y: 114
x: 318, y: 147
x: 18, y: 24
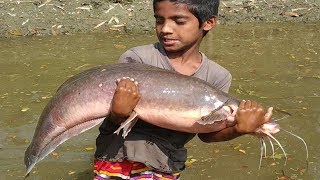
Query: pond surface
x: 275, y: 64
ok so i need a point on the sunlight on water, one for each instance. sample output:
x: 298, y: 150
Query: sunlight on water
x: 275, y: 64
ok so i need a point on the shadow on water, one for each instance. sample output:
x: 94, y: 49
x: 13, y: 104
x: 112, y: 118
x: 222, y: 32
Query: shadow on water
x: 275, y: 64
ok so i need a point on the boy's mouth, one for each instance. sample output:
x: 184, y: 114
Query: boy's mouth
x: 169, y: 42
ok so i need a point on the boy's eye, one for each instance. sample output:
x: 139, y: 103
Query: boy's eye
x: 181, y: 22
x: 159, y: 21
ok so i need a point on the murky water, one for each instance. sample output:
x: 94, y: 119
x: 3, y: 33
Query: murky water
x: 275, y: 64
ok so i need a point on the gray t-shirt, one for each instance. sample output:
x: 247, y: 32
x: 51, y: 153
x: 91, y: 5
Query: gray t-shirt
x: 156, y: 147
x: 155, y: 55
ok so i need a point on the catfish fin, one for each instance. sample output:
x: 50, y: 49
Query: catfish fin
x: 128, y: 124
x: 212, y: 118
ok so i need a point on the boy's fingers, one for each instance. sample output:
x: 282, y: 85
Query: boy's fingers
x: 241, y: 105
x: 134, y: 87
x: 248, y: 104
x: 121, y: 82
x: 127, y: 84
x: 259, y: 106
x: 268, y: 114
x: 254, y: 104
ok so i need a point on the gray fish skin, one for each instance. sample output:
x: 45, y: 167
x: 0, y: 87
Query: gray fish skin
x: 84, y: 100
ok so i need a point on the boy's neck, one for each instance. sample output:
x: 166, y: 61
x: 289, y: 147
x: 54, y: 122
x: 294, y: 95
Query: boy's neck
x: 187, y: 62
x: 189, y: 55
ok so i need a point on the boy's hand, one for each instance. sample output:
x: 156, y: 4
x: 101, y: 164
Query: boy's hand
x: 125, y: 98
x: 250, y: 116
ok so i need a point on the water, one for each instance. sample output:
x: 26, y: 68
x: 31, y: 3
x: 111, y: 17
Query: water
x: 275, y: 64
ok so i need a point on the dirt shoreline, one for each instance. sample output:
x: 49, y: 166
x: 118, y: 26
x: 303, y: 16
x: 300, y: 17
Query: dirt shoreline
x: 55, y: 17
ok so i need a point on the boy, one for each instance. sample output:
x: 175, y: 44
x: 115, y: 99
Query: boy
x: 150, y: 152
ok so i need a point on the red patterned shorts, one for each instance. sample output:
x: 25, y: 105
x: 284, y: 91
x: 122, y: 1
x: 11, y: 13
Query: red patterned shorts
x: 128, y: 170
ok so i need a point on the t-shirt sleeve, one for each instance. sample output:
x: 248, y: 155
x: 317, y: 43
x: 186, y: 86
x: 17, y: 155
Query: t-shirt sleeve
x: 129, y: 57
x: 215, y: 74
x: 225, y: 83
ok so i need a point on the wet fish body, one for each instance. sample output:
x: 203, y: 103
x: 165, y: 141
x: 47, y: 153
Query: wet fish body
x: 84, y: 100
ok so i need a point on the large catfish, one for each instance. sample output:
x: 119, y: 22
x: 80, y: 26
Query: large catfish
x: 84, y: 100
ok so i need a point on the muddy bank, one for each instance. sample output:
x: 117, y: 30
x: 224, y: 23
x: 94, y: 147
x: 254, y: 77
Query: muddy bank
x: 54, y: 17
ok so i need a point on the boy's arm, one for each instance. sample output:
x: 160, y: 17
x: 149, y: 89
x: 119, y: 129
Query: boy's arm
x: 250, y: 116
x: 127, y: 94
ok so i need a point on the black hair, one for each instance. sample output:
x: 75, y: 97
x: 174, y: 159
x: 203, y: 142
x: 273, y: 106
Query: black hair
x: 201, y: 9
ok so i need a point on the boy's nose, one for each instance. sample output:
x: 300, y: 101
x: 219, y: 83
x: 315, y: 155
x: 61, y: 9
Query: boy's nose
x: 166, y: 28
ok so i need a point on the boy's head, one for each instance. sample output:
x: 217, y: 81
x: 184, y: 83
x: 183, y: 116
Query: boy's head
x: 201, y: 9
x: 181, y: 24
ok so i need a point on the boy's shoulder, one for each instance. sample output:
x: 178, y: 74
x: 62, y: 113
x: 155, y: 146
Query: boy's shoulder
x: 213, y: 66
x: 146, y: 49
x: 151, y: 54
x: 215, y: 74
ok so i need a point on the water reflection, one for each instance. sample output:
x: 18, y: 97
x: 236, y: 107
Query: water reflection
x: 275, y: 64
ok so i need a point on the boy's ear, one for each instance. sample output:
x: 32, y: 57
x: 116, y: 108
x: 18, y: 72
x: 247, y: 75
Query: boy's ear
x: 210, y: 23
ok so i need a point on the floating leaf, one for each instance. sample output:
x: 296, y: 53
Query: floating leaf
x: 238, y: 91
x: 243, y: 151
x: 71, y: 172
x: 237, y: 147
x: 216, y: 151
x: 273, y: 164
x: 278, y: 156
x: 190, y: 162
x: 46, y: 97
x: 89, y: 148
x: 55, y: 154
x: 25, y: 109
x: 120, y: 46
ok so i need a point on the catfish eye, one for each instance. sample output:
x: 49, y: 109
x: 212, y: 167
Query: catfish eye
x: 232, y: 109
x: 228, y: 109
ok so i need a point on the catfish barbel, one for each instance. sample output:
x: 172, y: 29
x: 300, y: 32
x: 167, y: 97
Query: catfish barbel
x: 84, y: 100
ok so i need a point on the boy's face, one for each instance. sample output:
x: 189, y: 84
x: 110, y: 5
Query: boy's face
x: 176, y: 27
